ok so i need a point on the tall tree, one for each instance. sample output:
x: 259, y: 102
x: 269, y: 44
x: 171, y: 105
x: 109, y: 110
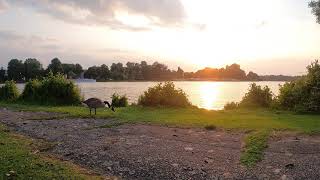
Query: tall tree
x: 104, y: 72
x: 55, y: 66
x: 15, y: 70
x: 32, y: 68
x: 315, y: 6
x: 2, y: 75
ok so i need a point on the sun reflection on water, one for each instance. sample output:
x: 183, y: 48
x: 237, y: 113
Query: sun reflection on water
x: 209, y: 93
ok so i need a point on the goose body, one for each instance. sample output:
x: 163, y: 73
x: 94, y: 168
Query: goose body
x: 94, y: 103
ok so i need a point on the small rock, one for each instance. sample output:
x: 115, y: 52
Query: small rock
x: 69, y: 154
x: 284, y: 177
x: 187, y: 168
x: 227, y: 175
x: 175, y: 165
x: 290, y: 166
x: 175, y: 135
x: 109, y: 168
x: 287, y: 153
x: 188, y: 148
x: 277, y: 171
x: 210, y: 151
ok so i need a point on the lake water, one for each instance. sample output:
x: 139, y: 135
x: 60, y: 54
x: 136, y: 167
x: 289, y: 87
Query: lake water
x: 208, y: 95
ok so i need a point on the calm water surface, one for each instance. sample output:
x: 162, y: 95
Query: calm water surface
x: 209, y: 95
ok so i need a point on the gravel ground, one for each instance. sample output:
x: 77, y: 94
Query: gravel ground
x: 156, y: 152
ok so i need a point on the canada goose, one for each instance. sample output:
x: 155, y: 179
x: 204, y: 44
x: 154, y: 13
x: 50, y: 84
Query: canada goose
x: 94, y: 103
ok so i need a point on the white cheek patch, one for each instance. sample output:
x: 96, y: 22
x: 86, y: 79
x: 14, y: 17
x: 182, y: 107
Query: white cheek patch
x: 83, y: 104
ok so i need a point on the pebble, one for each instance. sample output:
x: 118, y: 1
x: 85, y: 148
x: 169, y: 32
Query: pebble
x: 175, y: 165
x: 188, y: 148
x: 277, y: 171
x: 284, y: 177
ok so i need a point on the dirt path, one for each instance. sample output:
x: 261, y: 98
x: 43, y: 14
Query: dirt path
x: 154, y: 152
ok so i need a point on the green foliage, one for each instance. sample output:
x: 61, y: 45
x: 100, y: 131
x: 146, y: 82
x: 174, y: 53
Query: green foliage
x: 9, y: 91
x: 18, y: 162
x: 55, y: 66
x: 164, y: 94
x: 32, y: 69
x: 255, y: 144
x: 315, y: 6
x: 119, y: 101
x: 54, y: 89
x: 30, y: 91
x: 303, y: 94
x: 15, y: 70
x: 231, y: 106
x: 257, y: 97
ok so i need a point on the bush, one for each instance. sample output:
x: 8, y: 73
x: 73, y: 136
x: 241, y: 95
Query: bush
x: 9, y: 91
x: 231, y: 106
x: 30, y: 92
x: 164, y: 94
x: 54, y: 89
x: 119, y: 101
x: 303, y: 94
x: 257, y: 97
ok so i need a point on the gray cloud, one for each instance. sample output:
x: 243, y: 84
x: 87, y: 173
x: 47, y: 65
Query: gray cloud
x: 102, y: 12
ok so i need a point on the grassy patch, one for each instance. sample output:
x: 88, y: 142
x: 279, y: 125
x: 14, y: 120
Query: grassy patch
x: 18, y: 160
x: 257, y: 119
x: 255, y: 144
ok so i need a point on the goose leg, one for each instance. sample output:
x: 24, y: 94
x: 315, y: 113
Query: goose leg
x: 95, y: 111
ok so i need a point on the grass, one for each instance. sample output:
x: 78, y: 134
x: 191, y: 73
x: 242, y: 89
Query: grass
x: 240, y: 119
x: 19, y: 160
x: 255, y: 144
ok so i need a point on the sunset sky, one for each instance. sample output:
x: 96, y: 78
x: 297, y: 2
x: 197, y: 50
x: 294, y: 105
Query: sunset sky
x: 266, y: 36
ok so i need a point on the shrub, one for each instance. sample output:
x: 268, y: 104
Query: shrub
x: 231, y: 106
x: 30, y: 92
x: 119, y: 101
x: 257, y: 97
x: 303, y: 94
x: 164, y: 94
x: 54, y: 89
x: 9, y: 91
x: 210, y: 127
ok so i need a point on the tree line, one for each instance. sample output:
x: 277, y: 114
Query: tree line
x: 31, y: 68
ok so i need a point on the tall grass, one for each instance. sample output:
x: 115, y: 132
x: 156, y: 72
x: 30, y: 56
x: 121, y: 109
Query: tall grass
x: 164, y: 94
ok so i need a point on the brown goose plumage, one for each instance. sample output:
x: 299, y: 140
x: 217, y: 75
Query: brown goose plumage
x: 94, y: 103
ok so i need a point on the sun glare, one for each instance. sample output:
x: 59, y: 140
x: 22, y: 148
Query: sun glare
x: 209, y: 95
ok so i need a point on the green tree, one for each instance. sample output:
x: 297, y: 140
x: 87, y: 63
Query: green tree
x: 180, y: 73
x: 55, y: 66
x: 303, y: 94
x: 104, y: 72
x: 117, y: 71
x: 92, y: 72
x: 15, y: 70
x: 2, y: 75
x: 32, y: 68
x: 253, y: 76
x: 315, y: 6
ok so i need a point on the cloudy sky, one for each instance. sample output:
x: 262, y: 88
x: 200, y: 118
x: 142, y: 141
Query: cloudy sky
x: 266, y: 36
